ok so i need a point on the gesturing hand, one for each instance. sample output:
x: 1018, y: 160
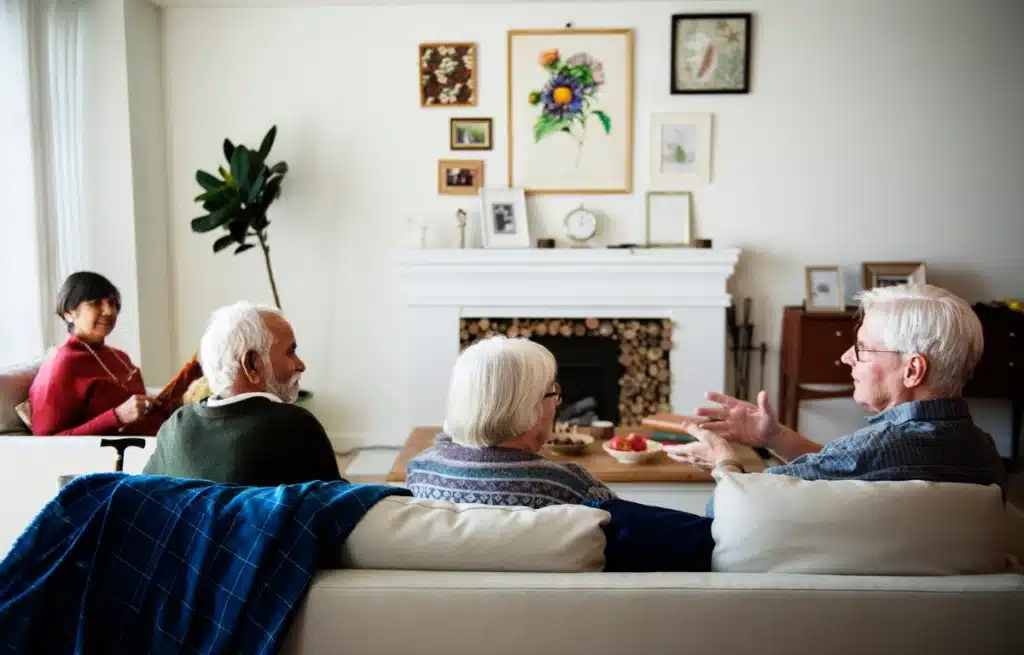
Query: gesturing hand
x: 740, y: 421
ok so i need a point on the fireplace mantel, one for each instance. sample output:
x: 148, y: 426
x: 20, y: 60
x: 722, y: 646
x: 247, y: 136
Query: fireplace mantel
x: 686, y: 285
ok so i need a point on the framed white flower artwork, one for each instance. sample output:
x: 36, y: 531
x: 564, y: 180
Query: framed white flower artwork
x: 503, y: 218
x: 570, y: 110
x: 680, y: 150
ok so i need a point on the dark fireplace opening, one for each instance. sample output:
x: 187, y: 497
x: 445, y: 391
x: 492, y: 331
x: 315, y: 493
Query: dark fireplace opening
x: 610, y: 369
x: 589, y: 373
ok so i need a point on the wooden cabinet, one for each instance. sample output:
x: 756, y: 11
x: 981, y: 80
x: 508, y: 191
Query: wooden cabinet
x: 812, y: 347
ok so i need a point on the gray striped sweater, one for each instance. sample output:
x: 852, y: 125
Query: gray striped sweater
x: 499, y: 476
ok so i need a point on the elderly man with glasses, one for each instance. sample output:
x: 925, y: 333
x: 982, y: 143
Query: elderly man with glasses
x: 916, y: 348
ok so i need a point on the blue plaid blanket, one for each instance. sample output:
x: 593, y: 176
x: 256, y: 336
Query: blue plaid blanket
x: 117, y: 563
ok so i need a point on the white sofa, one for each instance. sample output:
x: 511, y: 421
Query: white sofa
x: 375, y: 607
x: 463, y: 613
x: 30, y: 466
x: 387, y: 609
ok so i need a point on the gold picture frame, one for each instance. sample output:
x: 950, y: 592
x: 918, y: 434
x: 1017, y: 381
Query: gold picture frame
x: 668, y: 231
x: 823, y: 289
x: 468, y: 139
x: 887, y: 274
x: 460, y: 177
x: 546, y: 149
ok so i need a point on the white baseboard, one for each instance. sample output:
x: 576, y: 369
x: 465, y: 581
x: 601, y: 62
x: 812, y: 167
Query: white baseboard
x: 344, y: 441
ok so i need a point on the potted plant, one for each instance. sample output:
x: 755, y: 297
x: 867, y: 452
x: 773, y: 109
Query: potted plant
x: 238, y: 200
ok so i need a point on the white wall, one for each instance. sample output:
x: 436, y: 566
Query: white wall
x: 110, y: 234
x: 147, y: 120
x: 125, y: 215
x: 875, y: 130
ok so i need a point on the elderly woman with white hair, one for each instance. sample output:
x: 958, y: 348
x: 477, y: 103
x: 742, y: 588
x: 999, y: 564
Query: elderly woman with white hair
x: 501, y: 409
x: 916, y: 348
x: 249, y: 431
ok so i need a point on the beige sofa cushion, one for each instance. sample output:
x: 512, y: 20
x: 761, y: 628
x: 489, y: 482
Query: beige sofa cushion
x: 421, y: 534
x: 780, y: 524
x: 14, y: 386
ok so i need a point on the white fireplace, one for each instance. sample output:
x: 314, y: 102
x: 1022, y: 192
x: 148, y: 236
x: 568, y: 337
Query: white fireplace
x: 687, y: 286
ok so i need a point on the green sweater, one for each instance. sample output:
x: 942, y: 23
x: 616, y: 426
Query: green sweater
x: 254, y: 442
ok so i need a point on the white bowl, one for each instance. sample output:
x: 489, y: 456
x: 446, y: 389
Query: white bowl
x: 634, y: 456
x: 580, y: 443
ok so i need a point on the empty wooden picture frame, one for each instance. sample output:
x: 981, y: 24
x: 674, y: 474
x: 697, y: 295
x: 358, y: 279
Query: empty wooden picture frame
x: 668, y: 219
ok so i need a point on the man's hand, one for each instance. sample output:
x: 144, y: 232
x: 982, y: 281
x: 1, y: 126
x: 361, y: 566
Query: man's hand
x: 740, y: 421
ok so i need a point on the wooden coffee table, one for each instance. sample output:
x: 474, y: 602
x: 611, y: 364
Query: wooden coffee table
x: 607, y: 469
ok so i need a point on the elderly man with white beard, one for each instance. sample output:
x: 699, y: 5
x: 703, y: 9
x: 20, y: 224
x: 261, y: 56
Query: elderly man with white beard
x: 249, y: 432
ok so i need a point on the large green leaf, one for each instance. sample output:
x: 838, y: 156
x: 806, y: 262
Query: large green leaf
x: 268, y: 142
x: 256, y: 165
x: 211, y: 221
x: 546, y: 125
x: 606, y: 120
x: 223, y: 242
x: 240, y: 166
x: 207, y: 181
x: 257, y: 187
x: 271, y: 191
x: 229, y: 149
x: 219, y: 196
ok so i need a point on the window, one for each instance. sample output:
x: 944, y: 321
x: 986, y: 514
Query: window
x: 40, y: 167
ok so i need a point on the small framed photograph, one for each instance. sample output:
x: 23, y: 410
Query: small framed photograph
x: 680, y: 150
x: 890, y: 274
x: 823, y: 289
x: 447, y: 74
x: 710, y: 53
x: 503, y: 218
x: 470, y: 134
x: 460, y: 177
x: 668, y: 219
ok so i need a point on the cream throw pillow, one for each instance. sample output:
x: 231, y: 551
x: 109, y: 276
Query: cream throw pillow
x: 421, y: 534
x: 780, y: 524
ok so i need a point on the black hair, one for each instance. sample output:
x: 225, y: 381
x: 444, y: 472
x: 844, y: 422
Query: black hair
x: 84, y: 286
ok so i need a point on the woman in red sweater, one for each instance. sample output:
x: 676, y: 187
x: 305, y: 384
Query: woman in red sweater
x: 86, y: 387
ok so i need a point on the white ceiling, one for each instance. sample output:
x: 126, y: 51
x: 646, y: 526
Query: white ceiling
x: 328, y: 3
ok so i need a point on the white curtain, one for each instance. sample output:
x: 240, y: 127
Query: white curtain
x: 41, y: 154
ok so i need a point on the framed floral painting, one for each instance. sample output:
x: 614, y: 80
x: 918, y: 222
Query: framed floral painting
x: 447, y: 74
x: 710, y: 53
x: 570, y: 110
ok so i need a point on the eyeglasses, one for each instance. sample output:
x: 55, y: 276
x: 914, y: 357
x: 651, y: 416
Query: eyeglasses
x: 857, y: 350
x: 556, y: 390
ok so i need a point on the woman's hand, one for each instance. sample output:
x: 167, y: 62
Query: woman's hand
x: 695, y: 453
x: 133, y: 409
x: 706, y: 452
